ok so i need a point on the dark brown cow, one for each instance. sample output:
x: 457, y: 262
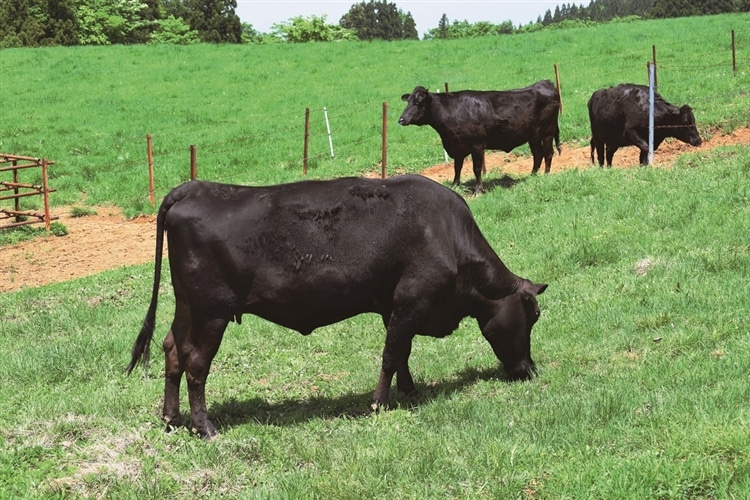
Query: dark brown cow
x: 619, y: 117
x: 470, y: 121
x: 309, y: 254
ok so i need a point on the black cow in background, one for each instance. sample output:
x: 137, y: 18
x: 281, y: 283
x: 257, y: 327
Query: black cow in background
x: 619, y: 117
x: 470, y: 121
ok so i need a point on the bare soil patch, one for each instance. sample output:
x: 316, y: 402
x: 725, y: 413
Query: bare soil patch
x: 108, y: 240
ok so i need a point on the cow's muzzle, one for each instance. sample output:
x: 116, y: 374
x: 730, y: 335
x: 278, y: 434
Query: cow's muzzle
x: 525, y: 370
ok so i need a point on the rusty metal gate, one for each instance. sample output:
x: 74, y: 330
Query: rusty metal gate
x: 13, y: 164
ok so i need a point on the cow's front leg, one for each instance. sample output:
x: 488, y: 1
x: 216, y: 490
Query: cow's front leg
x: 636, y: 138
x: 395, y: 354
x: 404, y: 380
x: 643, y: 158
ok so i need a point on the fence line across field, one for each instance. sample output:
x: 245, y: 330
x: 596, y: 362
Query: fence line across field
x: 330, y: 123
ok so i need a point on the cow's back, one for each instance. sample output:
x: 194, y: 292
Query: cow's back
x: 498, y: 119
x: 324, y: 249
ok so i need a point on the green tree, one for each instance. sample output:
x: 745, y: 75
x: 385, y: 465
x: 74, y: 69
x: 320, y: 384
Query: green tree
x: 311, y: 29
x: 710, y: 7
x: 250, y: 34
x: 105, y: 22
x: 173, y: 30
x: 674, y: 8
x: 547, y: 18
x: 409, y: 27
x: 443, y: 27
x: 214, y: 20
x: 150, y: 16
x: 31, y: 23
x: 379, y: 20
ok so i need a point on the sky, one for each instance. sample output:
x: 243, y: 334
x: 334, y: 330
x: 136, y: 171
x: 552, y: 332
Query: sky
x: 262, y: 14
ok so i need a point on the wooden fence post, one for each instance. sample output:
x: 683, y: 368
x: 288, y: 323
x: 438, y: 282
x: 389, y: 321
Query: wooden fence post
x: 193, y: 163
x: 45, y: 187
x: 559, y: 90
x: 384, y: 148
x: 307, y: 141
x: 150, y: 153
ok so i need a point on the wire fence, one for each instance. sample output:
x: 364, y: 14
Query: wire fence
x: 686, y: 75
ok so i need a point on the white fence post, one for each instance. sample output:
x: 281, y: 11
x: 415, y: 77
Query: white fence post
x: 328, y: 127
x: 651, y: 91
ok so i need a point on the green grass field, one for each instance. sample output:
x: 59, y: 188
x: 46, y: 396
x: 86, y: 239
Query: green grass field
x: 642, y: 347
x: 90, y: 108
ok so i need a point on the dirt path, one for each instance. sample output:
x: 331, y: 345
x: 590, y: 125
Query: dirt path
x: 108, y: 240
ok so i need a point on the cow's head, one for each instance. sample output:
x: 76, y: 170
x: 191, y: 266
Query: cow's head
x: 417, y: 107
x: 508, y: 329
x: 688, y: 132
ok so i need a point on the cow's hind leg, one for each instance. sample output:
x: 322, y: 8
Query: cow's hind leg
x: 610, y: 153
x: 172, y: 377
x: 173, y: 366
x: 196, y: 351
x: 548, y: 153
x: 477, y: 159
x: 458, y: 164
x: 537, y: 152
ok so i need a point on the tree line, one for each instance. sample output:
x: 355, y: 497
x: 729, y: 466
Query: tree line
x: 34, y: 23
x: 606, y: 10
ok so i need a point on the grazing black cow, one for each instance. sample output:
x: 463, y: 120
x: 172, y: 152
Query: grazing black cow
x: 470, y: 121
x: 619, y: 117
x: 312, y: 253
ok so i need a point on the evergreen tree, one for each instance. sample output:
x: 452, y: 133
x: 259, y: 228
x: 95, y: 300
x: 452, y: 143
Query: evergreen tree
x: 673, y: 8
x: 709, y: 7
x: 214, y: 20
x: 378, y: 20
x: 409, y: 28
x: 149, y: 23
x: 443, y: 25
x: 18, y: 27
x: 547, y: 18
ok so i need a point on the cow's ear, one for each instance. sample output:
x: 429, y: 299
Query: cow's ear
x: 686, y: 113
x: 405, y: 97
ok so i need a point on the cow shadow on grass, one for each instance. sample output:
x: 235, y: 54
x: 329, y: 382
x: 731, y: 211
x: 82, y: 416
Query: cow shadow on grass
x: 490, y: 184
x: 232, y: 413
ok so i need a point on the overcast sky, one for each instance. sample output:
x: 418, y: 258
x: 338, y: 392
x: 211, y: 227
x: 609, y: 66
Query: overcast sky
x: 262, y: 14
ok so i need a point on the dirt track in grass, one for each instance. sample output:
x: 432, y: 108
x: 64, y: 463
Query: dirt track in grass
x: 108, y: 240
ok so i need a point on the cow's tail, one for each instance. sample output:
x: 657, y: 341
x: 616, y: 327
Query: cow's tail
x: 142, y: 347
x: 557, y: 142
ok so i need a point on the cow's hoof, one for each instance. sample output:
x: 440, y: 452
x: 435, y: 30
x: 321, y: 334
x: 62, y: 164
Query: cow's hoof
x: 170, y: 428
x: 377, y: 406
x: 172, y: 423
x: 205, y: 431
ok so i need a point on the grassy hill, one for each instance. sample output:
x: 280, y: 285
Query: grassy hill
x: 642, y: 347
x: 90, y: 108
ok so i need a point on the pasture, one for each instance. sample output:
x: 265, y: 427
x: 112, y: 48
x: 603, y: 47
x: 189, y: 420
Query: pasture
x: 642, y: 347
